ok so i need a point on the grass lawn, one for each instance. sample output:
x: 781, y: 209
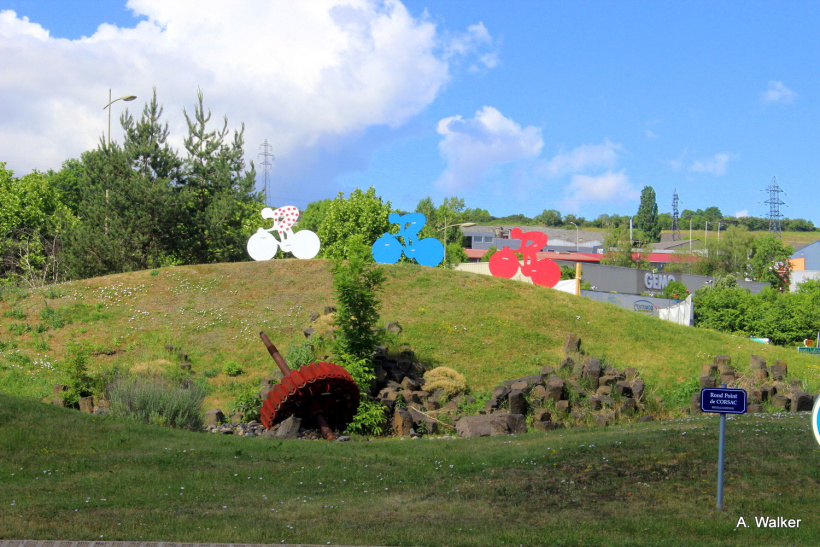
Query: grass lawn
x: 70, y: 476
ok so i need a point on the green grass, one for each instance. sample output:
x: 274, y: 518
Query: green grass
x: 488, y: 329
x: 82, y: 477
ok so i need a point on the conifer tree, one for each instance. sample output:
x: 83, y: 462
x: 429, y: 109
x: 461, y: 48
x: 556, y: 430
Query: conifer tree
x: 647, y: 218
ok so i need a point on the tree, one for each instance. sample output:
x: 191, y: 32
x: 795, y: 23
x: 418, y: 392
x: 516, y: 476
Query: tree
x: 313, y: 215
x: 356, y: 280
x: 769, y: 261
x: 32, y: 221
x: 619, y: 251
x: 218, y: 201
x: 550, y: 218
x: 124, y: 218
x: 646, y: 220
x: 361, y: 213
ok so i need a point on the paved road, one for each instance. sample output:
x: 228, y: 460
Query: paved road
x: 52, y: 543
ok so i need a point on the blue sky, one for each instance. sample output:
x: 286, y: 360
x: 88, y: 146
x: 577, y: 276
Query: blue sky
x: 515, y: 106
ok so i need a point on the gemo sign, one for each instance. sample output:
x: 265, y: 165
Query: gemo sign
x: 657, y: 281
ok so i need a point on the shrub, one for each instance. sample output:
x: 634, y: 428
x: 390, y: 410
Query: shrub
x: 157, y: 401
x: 445, y: 378
x: 249, y: 404
x: 370, y: 419
x: 80, y: 383
x: 299, y: 354
x: 232, y: 368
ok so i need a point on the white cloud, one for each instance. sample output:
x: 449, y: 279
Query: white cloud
x: 581, y: 158
x: 741, y: 214
x: 609, y: 187
x: 474, y: 148
x: 300, y: 74
x: 716, y: 165
x: 777, y: 93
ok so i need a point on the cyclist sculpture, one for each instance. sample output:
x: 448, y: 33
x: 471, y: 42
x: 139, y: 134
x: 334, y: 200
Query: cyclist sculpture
x: 302, y: 244
x: 427, y: 251
x: 544, y: 272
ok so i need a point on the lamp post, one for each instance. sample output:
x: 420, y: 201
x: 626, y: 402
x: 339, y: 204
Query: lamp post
x: 108, y: 106
x: 576, y: 235
x: 461, y: 224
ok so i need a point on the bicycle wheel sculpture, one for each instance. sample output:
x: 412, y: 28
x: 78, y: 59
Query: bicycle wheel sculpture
x: 505, y: 263
x: 427, y: 251
x: 263, y: 245
x: 321, y: 394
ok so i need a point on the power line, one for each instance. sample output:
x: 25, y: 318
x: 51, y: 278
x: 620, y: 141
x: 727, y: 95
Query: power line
x: 266, y: 153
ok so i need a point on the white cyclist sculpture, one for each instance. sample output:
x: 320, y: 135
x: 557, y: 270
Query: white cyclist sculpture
x: 302, y: 244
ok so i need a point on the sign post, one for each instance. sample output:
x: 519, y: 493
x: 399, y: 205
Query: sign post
x: 724, y: 401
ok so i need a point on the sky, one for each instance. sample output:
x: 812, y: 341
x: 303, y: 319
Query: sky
x: 517, y: 106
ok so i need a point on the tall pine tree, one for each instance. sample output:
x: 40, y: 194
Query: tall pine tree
x: 647, y: 218
x: 217, y: 191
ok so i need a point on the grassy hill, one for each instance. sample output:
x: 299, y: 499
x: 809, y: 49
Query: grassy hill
x: 489, y: 329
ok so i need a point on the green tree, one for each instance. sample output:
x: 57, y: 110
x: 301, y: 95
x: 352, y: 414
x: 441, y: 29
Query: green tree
x: 550, y: 218
x: 32, y: 221
x: 646, y: 220
x: 124, y: 218
x: 769, y: 261
x: 314, y: 215
x: 361, y: 213
x: 218, y: 201
x: 356, y: 280
x: 619, y: 249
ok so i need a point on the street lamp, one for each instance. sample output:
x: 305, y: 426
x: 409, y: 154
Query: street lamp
x: 461, y: 224
x: 108, y: 106
x: 576, y: 235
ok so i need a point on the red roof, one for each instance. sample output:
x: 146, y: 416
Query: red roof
x: 592, y: 257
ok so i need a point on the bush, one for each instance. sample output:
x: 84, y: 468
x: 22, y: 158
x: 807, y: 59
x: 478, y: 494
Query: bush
x: 249, y: 404
x: 299, y: 354
x: 157, y: 401
x: 370, y: 419
x: 232, y: 368
x: 80, y: 383
x: 445, y: 378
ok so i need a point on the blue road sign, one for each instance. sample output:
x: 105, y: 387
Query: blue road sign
x: 815, y: 419
x: 723, y: 400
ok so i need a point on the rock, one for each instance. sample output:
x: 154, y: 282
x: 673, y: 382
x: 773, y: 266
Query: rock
x: 646, y: 418
x: 638, y: 388
x: 430, y: 425
x: 603, y: 391
x: 309, y: 332
x: 101, y: 411
x: 518, y: 402
x: 288, y: 428
x: 709, y: 370
x: 757, y: 363
x: 566, y: 362
x: 410, y: 384
x: 87, y: 404
x: 500, y: 392
x: 707, y: 381
x: 392, y: 327
x: 694, y: 404
x: 538, y: 393
x: 562, y: 406
x: 622, y: 388
x: 592, y: 370
x: 754, y: 408
x: 402, y: 423
x: 572, y: 344
x: 767, y: 392
x: 499, y: 423
x: 779, y: 371
x: 520, y: 385
x: 802, y: 402
x: 761, y: 374
x: 781, y: 402
x: 555, y: 388
x: 628, y: 406
x: 214, y: 417
x: 723, y: 362
x: 547, y: 370
x: 610, y: 379
x: 727, y: 377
